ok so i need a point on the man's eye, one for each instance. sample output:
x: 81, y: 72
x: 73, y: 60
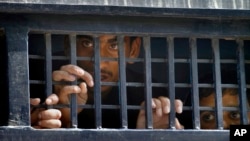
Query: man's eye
x: 234, y: 115
x: 87, y: 43
x: 114, y: 46
x: 208, y: 117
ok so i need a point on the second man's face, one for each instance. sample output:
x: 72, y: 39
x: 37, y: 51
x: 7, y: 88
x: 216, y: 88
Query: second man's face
x: 108, y: 49
x: 208, y: 118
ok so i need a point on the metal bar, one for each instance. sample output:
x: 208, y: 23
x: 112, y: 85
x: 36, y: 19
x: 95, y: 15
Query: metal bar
x: 194, y: 81
x: 137, y: 107
x: 18, y: 75
x: 154, y: 60
x: 48, y: 65
x: 217, y: 78
x: 97, y: 86
x: 78, y: 23
x: 139, y: 8
x: 73, y: 98
x: 14, y: 134
x: 188, y: 4
x: 242, y: 83
x: 122, y: 83
x: 171, y: 81
x: 148, y: 83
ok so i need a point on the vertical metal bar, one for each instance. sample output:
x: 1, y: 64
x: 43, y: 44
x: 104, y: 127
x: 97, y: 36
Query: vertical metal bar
x: 217, y: 78
x: 194, y: 81
x: 242, y: 82
x: 122, y: 83
x: 171, y: 81
x: 73, y: 102
x: 97, y: 89
x: 48, y: 61
x: 18, y: 75
x: 148, y: 83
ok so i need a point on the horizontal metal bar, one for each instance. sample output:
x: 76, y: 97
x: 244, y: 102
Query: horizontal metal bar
x: 137, y: 84
x: 134, y: 107
x: 153, y: 60
x: 27, y: 133
x: 205, y: 4
x: 199, y: 27
x: 126, y: 10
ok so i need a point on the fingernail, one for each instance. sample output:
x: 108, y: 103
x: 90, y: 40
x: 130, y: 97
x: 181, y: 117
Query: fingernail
x: 91, y: 83
x: 72, y: 78
x: 40, y: 123
x: 166, y: 110
x: 179, y: 109
x: 153, y: 105
x: 48, y: 101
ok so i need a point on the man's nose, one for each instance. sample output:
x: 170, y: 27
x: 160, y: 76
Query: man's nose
x: 103, y: 55
x: 103, y: 51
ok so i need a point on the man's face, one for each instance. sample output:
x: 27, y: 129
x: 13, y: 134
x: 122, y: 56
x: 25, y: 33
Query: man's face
x: 208, y: 118
x: 108, y: 49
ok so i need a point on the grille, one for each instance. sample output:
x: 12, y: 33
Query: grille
x: 177, y: 64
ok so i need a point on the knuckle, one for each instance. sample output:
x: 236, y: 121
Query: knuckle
x: 74, y: 69
x: 58, y: 124
x: 75, y: 89
x: 56, y: 75
x: 58, y: 114
x: 161, y: 97
x: 157, y: 101
x: 64, y: 67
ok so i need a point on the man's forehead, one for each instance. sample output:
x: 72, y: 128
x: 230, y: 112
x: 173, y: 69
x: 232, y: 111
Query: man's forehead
x: 102, y: 37
x: 108, y: 38
x: 208, y: 100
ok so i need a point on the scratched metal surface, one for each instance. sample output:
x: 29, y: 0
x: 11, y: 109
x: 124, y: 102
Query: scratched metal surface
x: 197, y: 4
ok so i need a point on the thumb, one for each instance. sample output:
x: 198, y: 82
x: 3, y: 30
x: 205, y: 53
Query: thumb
x: 178, y: 124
